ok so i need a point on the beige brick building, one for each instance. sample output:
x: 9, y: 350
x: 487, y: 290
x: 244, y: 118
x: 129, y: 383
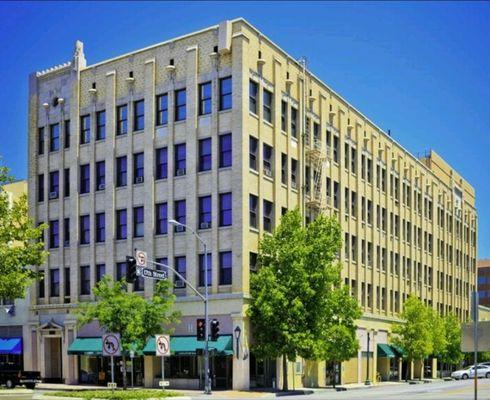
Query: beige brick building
x: 223, y: 130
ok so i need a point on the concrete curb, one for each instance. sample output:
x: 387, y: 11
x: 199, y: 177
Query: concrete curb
x: 48, y: 397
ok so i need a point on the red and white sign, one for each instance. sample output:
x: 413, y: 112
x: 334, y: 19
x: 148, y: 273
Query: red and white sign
x: 111, y: 345
x: 162, y: 345
x: 141, y: 258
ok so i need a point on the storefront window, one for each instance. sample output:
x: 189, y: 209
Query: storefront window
x: 184, y: 367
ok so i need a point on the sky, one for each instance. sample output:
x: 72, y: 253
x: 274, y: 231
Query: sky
x: 420, y: 69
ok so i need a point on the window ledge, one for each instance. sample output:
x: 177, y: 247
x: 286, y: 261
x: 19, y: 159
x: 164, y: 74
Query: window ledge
x: 268, y: 123
x: 254, y: 171
x: 253, y: 115
x: 225, y: 227
x: 205, y: 172
x: 271, y: 179
x: 228, y: 110
x: 227, y: 168
x: 254, y: 230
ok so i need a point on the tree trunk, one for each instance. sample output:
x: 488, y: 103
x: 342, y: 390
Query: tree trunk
x: 284, y: 373
x: 125, y: 384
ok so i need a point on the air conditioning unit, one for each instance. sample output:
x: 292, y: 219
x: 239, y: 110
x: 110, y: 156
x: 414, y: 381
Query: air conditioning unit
x: 181, y: 172
x: 101, y: 186
x: 179, y: 284
x: 294, y: 185
x: 140, y: 179
x: 179, y: 228
x: 53, y: 195
x: 205, y: 225
x: 268, y: 172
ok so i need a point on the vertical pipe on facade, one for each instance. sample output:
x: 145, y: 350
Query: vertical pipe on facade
x: 303, y: 133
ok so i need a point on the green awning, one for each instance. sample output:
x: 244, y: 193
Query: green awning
x: 87, y: 346
x: 399, y: 352
x: 385, y: 351
x: 189, y: 344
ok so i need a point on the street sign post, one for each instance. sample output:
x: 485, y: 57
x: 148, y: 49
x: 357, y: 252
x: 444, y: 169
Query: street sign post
x: 111, y: 346
x: 162, y: 349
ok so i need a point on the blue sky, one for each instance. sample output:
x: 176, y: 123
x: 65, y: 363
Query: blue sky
x: 419, y: 69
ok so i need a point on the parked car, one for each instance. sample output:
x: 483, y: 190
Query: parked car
x: 469, y: 372
x: 11, y: 376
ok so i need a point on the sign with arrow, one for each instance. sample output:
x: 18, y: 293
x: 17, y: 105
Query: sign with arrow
x: 162, y: 345
x: 111, y: 345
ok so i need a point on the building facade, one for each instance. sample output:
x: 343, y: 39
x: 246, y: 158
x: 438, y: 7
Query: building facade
x: 483, y: 272
x: 224, y: 131
x: 14, y: 313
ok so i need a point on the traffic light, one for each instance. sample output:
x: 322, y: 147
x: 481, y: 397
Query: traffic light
x: 201, y: 329
x: 214, y: 330
x: 131, y: 269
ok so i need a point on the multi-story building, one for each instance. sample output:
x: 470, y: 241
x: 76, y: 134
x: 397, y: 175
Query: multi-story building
x: 483, y: 272
x: 224, y: 131
x: 14, y: 313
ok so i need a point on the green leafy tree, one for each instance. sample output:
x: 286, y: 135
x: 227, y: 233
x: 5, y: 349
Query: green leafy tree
x: 438, y: 334
x: 414, y: 333
x: 20, y: 243
x: 291, y: 291
x: 452, y: 353
x: 135, y: 318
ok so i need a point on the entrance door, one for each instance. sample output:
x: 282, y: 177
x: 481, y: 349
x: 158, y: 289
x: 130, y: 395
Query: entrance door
x: 221, y: 370
x: 262, y: 372
x: 52, y: 360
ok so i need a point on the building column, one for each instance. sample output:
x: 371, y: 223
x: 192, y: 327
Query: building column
x: 400, y: 369
x: 434, y: 368
x: 241, y: 364
x: 149, y: 371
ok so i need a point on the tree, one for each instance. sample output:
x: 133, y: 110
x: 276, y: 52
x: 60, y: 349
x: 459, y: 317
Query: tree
x: 414, y: 333
x: 291, y: 291
x: 438, y: 334
x: 20, y: 243
x: 135, y: 318
x: 452, y: 353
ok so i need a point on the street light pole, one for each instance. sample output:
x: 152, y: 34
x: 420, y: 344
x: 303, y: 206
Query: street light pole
x: 368, y: 381
x: 207, y: 383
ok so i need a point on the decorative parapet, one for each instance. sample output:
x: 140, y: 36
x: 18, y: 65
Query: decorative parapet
x: 53, y: 69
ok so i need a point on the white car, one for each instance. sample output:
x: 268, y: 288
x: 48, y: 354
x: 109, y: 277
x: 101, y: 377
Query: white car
x: 469, y: 372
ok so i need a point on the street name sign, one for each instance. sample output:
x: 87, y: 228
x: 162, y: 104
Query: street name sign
x: 111, y: 345
x: 152, y: 273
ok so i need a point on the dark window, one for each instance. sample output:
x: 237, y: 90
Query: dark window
x: 85, y: 279
x: 205, y: 154
x: 99, y: 272
x: 67, y: 134
x: 54, y: 234
x: 161, y: 218
x: 202, y: 268
x: 161, y: 161
x: 138, y: 167
x: 179, y: 214
x: 252, y: 96
x: 205, y: 98
x: 225, y: 93
x: 284, y: 168
x: 100, y: 175
x: 253, y: 201
x: 54, y: 184
x: 66, y: 232
x: 54, y: 282
x: 139, y: 115
x: 205, y: 212
x: 40, y: 140
x: 162, y: 109
x: 54, y: 137
x: 84, y: 178
x: 161, y: 260
x: 180, y: 105
x: 121, y: 268
x: 225, y: 262
x: 180, y: 159
x: 66, y: 182
x: 294, y: 122
x: 100, y: 227
x: 84, y: 229
x: 40, y: 187
x: 180, y: 267
x: 268, y: 215
x: 138, y: 221
x: 66, y: 278
x: 100, y: 128
x: 253, y: 147
x: 41, y: 285
x: 294, y: 172
x: 225, y: 153
x: 121, y: 224
x: 85, y: 129
x: 253, y: 261
x: 121, y: 171
x: 267, y: 106
x: 284, y: 115
x: 267, y: 154
x: 122, y: 120
x: 139, y: 284
x: 225, y: 209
